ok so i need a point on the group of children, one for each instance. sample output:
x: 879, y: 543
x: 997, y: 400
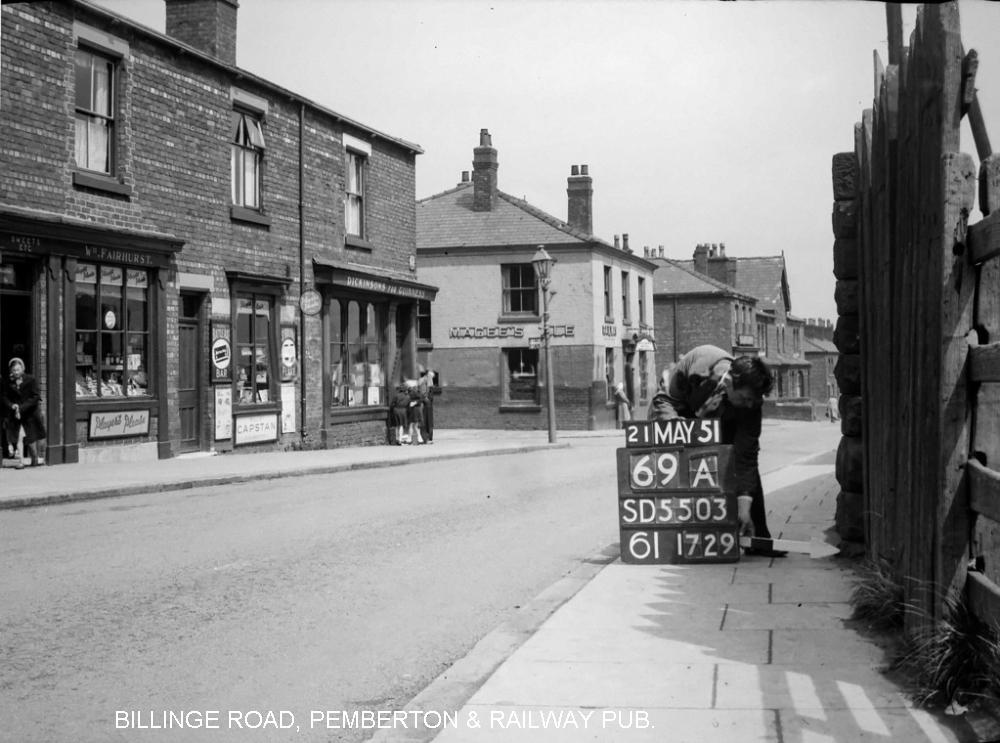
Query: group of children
x: 410, y: 420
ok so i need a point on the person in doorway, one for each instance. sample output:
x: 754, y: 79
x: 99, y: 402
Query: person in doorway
x: 707, y: 382
x: 415, y: 412
x: 22, y: 418
x: 623, y: 406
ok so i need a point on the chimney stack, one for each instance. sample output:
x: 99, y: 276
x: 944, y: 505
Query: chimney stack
x: 207, y: 25
x: 484, y: 174
x: 579, y: 189
x: 701, y: 258
x: 465, y: 176
x: 661, y: 251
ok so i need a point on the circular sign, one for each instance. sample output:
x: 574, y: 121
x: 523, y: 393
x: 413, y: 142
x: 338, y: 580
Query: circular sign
x: 110, y: 319
x: 310, y: 302
x: 221, y: 354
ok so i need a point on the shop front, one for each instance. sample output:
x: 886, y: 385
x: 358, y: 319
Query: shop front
x: 85, y: 308
x: 369, y: 346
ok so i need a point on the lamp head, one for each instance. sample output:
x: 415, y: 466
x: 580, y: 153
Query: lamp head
x: 542, y: 262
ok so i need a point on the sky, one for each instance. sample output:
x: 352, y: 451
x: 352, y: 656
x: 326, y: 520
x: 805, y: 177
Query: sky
x: 701, y: 122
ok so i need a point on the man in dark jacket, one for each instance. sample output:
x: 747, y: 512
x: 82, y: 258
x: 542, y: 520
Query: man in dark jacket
x: 19, y: 401
x: 709, y: 383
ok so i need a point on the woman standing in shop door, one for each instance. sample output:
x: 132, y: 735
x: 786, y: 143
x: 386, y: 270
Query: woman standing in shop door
x: 21, y: 416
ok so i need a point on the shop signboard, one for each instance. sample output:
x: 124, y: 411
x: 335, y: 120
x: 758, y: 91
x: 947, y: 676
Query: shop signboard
x: 253, y: 429
x: 222, y: 353
x: 676, y: 494
x: 117, y: 424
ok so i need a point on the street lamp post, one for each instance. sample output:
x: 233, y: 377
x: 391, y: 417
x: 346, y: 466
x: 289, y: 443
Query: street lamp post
x: 542, y: 262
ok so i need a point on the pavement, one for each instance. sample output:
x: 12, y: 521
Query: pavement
x: 758, y: 650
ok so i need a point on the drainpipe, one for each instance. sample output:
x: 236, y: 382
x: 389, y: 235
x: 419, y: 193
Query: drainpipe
x: 302, y: 281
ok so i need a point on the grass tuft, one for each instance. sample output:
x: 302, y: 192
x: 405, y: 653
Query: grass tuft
x: 877, y: 598
x: 958, y: 660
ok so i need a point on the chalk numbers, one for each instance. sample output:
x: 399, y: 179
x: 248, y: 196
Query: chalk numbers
x: 654, y: 470
x: 659, y: 545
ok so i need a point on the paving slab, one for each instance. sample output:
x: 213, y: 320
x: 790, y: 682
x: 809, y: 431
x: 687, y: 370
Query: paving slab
x: 885, y: 725
x: 786, y: 616
x: 781, y: 687
x: 596, y: 684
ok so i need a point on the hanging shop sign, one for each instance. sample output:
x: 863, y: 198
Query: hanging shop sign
x: 310, y: 302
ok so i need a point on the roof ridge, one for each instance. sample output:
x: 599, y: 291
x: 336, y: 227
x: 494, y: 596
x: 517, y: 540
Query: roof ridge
x: 549, y: 219
x: 451, y: 190
x: 707, y: 279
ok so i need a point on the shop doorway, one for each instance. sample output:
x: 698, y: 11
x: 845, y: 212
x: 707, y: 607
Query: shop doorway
x: 16, y: 321
x: 189, y: 372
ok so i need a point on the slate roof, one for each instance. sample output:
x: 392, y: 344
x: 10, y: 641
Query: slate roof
x: 673, y: 278
x: 818, y: 345
x: 447, y: 220
x: 762, y: 278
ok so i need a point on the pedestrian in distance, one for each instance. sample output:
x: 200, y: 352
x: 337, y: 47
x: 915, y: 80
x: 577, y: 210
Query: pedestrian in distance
x: 399, y: 412
x: 623, y: 405
x: 22, y: 418
x: 415, y: 416
x: 426, y: 386
x: 707, y: 382
x: 831, y: 410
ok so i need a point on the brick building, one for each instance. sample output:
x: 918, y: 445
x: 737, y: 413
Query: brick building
x: 822, y: 354
x: 739, y: 304
x: 191, y: 257
x: 476, y: 243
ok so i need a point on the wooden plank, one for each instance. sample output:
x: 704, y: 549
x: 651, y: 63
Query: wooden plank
x: 984, y: 597
x: 984, y: 490
x: 983, y: 239
x: 984, y: 364
x: 894, y: 24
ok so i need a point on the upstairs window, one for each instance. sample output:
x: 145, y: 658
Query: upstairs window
x: 247, y: 143
x: 520, y: 289
x: 642, y: 300
x: 608, y: 310
x: 95, y: 111
x: 626, y: 299
x: 423, y: 321
x: 354, y: 204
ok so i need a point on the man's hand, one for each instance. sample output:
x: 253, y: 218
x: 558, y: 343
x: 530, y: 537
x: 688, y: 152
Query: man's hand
x: 746, y: 523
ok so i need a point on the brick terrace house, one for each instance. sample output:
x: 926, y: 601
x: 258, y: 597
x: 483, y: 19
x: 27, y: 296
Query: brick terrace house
x: 821, y: 353
x: 692, y: 309
x: 476, y: 243
x: 758, y: 318
x: 191, y: 257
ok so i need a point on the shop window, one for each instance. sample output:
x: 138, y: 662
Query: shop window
x: 247, y: 156
x: 254, y: 340
x: 424, y: 321
x: 520, y: 289
x: 112, y: 331
x: 95, y: 111
x: 520, y: 378
x: 357, y: 366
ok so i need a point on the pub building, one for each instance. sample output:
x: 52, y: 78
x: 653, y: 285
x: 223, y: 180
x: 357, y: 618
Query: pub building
x: 193, y: 258
x: 483, y: 336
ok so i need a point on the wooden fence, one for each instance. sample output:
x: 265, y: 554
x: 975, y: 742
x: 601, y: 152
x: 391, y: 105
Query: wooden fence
x: 924, y: 448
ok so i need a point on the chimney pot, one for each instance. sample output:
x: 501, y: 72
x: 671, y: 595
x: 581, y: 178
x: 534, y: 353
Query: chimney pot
x: 661, y: 251
x: 465, y: 176
x: 574, y: 170
x: 624, y: 241
x: 485, y: 140
x: 645, y: 251
x: 617, y: 246
x: 722, y: 249
x: 584, y: 170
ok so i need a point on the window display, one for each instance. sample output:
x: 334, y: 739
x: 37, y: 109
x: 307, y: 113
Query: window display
x: 112, y: 331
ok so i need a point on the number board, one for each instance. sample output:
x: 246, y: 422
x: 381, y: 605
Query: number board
x: 678, y: 546
x: 699, y: 468
x: 677, y: 494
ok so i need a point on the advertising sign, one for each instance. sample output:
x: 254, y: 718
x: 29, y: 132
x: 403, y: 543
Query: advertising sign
x: 116, y: 424
x: 223, y: 413
x: 676, y: 494
x: 252, y: 429
x: 222, y: 353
